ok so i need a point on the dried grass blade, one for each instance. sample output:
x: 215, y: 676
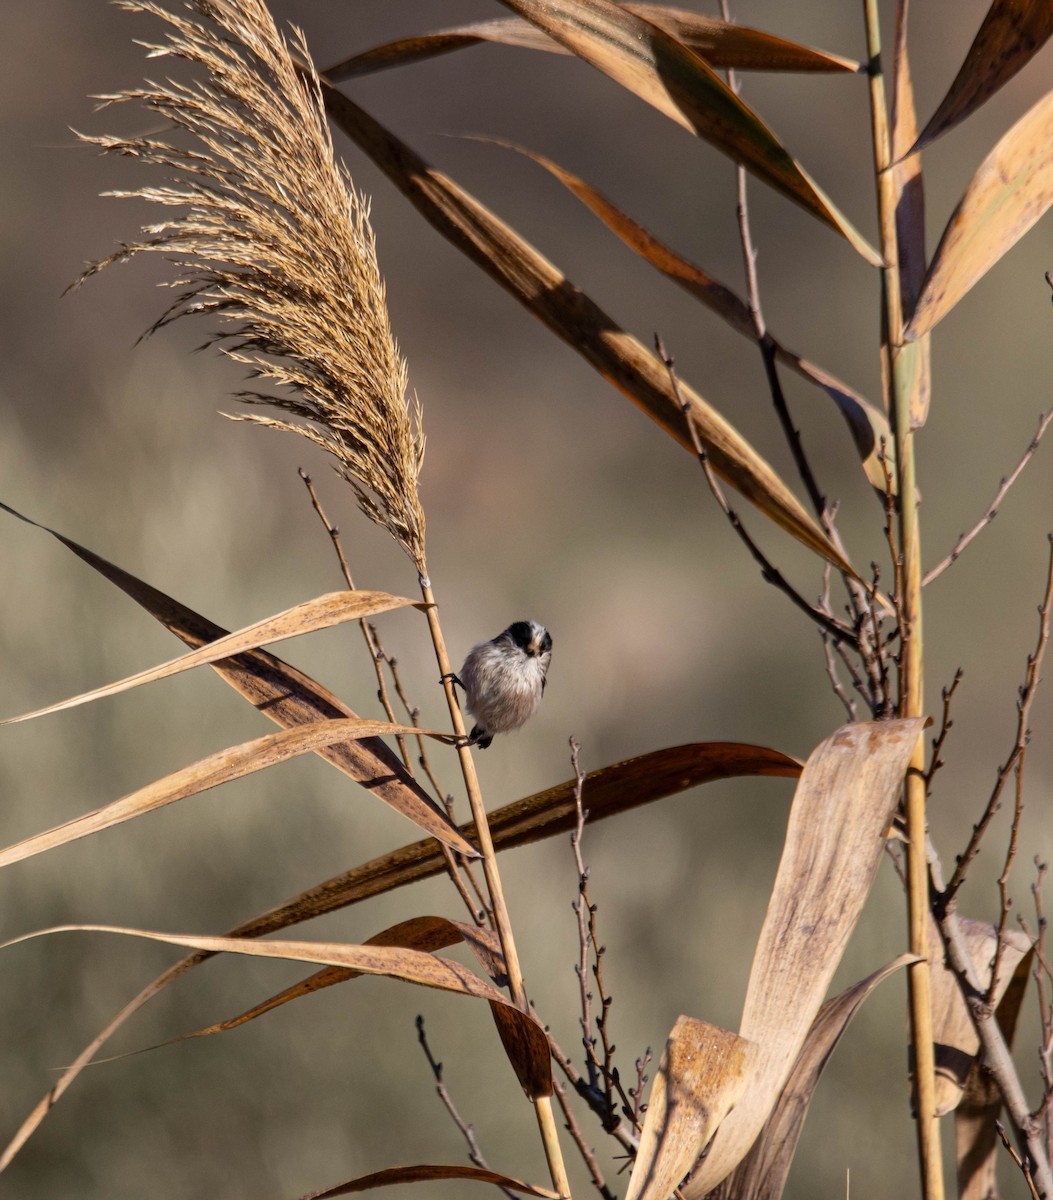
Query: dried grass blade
x: 957, y: 1042
x: 611, y: 790
x: 429, y: 1173
x: 867, y: 425
x: 720, y: 43
x: 286, y: 696
x: 834, y: 841
x: 1012, y: 33
x: 573, y: 316
x: 700, y: 1078
x: 762, y: 1173
x: 235, y: 762
x: 334, y: 608
x: 975, y: 1137
x: 641, y: 57
x: 1010, y: 191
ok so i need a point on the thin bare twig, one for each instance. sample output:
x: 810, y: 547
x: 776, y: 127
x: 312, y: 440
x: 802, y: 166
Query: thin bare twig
x: 639, y: 1108
x: 992, y: 508
x: 836, y: 629
x: 1004, y: 899
x: 603, y: 1074
x: 1032, y: 678
x: 467, y: 1131
x: 946, y: 725
x: 1022, y: 1163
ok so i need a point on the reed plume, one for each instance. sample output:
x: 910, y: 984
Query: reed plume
x: 275, y: 240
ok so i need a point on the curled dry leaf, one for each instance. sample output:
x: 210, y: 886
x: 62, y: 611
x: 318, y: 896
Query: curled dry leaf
x: 429, y: 1173
x: 573, y: 316
x: 722, y: 44
x: 834, y: 842
x: 762, y: 1173
x: 285, y: 696
x: 700, y: 1078
x: 334, y: 608
x: 1012, y: 33
x: 1011, y: 190
x: 868, y: 425
x: 235, y: 762
x: 957, y: 1042
x: 647, y: 61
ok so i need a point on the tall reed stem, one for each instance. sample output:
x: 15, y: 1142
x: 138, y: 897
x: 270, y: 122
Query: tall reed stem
x: 543, y: 1104
x: 911, y: 696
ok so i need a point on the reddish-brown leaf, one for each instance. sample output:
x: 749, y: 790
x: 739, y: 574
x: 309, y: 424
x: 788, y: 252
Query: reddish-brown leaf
x: 720, y: 43
x: 642, y: 58
x: 426, y: 1173
x: 1012, y: 33
x: 286, y: 696
x: 573, y: 316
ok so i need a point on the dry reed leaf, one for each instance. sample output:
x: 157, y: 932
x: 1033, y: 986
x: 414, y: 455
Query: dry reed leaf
x: 911, y: 362
x: 763, y: 1172
x: 1012, y: 188
x: 957, y: 1042
x: 868, y: 425
x: 266, y: 231
x: 235, y: 762
x: 722, y: 44
x: 977, y: 1146
x: 700, y: 1078
x: 287, y: 697
x: 645, y: 60
x: 334, y: 608
x: 426, y: 1173
x: 611, y: 790
x: 1012, y: 33
x: 573, y: 316
x: 835, y: 838
x: 525, y: 1047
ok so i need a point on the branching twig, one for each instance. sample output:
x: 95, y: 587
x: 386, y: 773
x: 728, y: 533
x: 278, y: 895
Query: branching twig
x: 1005, y: 900
x: 836, y: 629
x: 1023, y: 734
x: 587, y: 1153
x: 1022, y: 1163
x: 467, y: 1131
x: 992, y: 508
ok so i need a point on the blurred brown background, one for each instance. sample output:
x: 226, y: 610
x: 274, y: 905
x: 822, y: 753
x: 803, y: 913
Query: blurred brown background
x: 548, y: 496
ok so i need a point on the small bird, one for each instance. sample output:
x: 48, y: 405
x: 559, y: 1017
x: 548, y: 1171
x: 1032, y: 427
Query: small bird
x: 504, y: 680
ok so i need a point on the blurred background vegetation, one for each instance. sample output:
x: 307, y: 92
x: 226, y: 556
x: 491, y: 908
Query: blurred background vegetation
x: 548, y: 496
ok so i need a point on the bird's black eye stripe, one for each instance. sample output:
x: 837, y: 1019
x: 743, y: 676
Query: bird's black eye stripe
x: 546, y: 644
x: 520, y: 633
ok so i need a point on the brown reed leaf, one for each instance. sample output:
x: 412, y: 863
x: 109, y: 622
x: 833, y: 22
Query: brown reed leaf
x: 867, y: 425
x: 1010, y: 191
x: 722, y: 44
x: 700, y: 1078
x: 582, y: 324
x: 334, y: 608
x: 610, y: 790
x: 1012, y: 33
x: 762, y: 1173
x: 641, y: 57
x: 429, y: 1173
x: 841, y: 810
x: 286, y: 696
x: 275, y: 241
x: 235, y: 762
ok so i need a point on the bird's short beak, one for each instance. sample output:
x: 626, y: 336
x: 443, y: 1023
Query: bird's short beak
x: 533, y: 649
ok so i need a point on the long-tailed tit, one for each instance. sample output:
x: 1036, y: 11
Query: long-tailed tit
x: 504, y: 680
